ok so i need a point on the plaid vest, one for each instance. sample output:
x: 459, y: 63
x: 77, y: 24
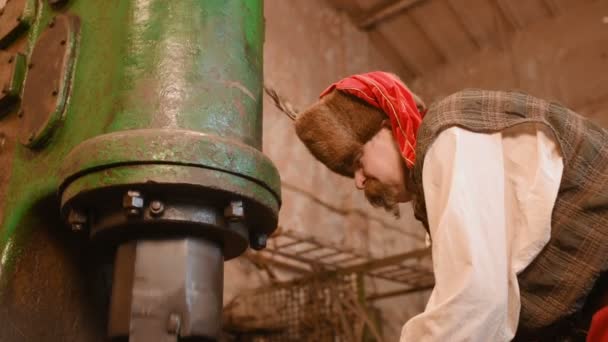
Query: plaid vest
x: 556, y: 284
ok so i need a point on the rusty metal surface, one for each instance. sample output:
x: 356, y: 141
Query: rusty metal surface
x: 48, y: 80
x: 109, y: 220
x: 15, y: 18
x: 9, y: 124
x: 12, y: 72
x: 184, y: 65
x: 173, y: 147
x: 52, y: 286
x: 175, y: 289
x: 178, y: 181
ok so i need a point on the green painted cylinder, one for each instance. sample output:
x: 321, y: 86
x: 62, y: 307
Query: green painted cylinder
x: 187, y: 100
x: 161, y: 97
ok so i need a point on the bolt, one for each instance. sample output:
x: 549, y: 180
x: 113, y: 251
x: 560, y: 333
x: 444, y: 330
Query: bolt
x: 31, y: 65
x: 20, y: 114
x: 133, y: 203
x: 55, y: 92
x: 173, y: 324
x: 31, y: 137
x: 2, y: 141
x: 62, y: 42
x: 234, y: 211
x: 259, y: 241
x: 77, y: 220
x: 156, y: 208
x: 52, y: 23
x: 11, y: 59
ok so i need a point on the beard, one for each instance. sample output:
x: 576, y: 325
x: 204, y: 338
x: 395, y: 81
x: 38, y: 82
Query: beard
x: 381, y: 195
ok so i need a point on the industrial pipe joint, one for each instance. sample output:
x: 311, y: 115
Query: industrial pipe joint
x: 176, y: 183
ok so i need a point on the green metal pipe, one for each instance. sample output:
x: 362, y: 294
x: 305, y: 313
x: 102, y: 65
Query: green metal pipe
x: 161, y: 92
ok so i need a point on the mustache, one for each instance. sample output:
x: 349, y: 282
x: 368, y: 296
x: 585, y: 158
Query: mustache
x: 380, y: 195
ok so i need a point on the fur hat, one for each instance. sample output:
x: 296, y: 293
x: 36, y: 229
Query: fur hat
x: 336, y: 127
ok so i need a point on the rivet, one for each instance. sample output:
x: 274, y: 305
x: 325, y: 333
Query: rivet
x: 62, y: 42
x: 2, y: 141
x: 55, y: 92
x: 173, y: 324
x: 11, y: 59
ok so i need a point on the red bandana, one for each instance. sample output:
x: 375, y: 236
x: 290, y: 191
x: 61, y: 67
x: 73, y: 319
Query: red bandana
x: 384, y: 91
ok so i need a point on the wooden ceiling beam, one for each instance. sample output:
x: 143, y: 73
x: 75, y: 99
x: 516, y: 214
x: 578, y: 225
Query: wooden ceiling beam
x: 369, y: 20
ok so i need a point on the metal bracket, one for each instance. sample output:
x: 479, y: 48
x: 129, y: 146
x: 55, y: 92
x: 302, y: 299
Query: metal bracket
x: 48, y: 80
x: 15, y: 18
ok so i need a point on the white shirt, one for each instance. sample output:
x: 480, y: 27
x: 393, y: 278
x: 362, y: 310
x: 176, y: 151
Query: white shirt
x: 489, y: 200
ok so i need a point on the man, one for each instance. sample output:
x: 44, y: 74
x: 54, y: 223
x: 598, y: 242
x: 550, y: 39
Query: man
x: 512, y: 189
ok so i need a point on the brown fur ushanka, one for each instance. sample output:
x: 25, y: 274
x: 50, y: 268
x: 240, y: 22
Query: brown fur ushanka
x: 336, y: 127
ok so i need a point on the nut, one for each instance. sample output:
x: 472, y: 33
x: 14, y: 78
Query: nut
x: 234, y: 211
x: 133, y: 203
x: 259, y: 241
x: 77, y: 227
x: 77, y: 220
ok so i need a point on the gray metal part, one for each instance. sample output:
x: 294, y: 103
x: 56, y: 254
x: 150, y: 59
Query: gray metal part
x: 174, y: 287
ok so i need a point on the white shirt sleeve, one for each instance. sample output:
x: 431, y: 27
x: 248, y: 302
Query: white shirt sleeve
x: 489, y: 200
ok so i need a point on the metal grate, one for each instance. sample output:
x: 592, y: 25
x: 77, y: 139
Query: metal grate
x: 411, y: 270
x: 315, y: 310
x: 327, y: 302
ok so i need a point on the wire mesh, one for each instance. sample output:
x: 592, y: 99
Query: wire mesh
x: 315, y: 310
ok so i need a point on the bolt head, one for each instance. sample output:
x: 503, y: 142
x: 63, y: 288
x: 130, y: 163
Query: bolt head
x: 173, y: 324
x: 77, y: 227
x: 235, y: 211
x: 156, y: 208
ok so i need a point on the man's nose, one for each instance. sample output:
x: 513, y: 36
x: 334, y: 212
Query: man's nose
x: 359, y: 179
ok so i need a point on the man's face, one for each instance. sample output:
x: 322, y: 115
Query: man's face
x: 380, y: 172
